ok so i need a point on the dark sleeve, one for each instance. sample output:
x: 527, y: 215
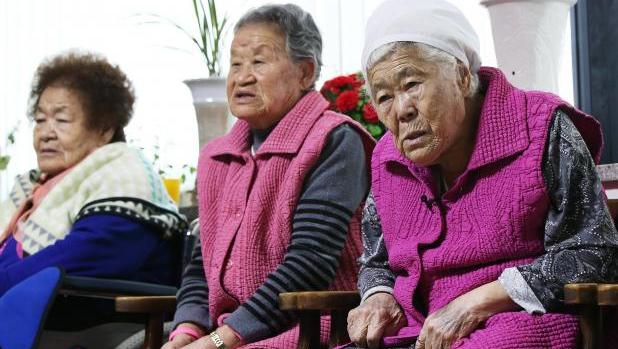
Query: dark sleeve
x: 375, y: 273
x: 192, y: 297
x: 581, y: 241
x: 98, y: 245
x: 331, y: 193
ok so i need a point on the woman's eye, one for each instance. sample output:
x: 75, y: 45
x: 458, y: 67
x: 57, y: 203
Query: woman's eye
x: 258, y: 61
x: 383, y: 98
x: 411, y: 84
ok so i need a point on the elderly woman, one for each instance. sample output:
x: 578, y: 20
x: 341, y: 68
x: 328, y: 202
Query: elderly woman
x: 94, y: 206
x: 278, y: 194
x: 484, y: 198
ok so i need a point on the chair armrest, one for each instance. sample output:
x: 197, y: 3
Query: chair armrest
x: 319, y: 300
x: 607, y: 294
x: 146, y: 305
x: 585, y: 293
x: 116, y: 286
x: 310, y: 305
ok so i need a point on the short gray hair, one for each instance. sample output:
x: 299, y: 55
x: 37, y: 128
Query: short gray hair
x: 302, y: 37
x: 428, y: 52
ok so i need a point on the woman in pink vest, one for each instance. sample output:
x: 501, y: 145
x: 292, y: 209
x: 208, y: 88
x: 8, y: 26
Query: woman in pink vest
x: 279, y: 195
x: 484, y: 198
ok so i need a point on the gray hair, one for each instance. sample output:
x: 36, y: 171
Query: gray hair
x: 302, y: 37
x: 428, y: 52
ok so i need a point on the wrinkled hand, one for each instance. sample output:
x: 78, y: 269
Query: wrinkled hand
x: 178, y: 342
x: 378, y: 316
x: 181, y: 339
x: 225, y: 333
x: 463, y: 315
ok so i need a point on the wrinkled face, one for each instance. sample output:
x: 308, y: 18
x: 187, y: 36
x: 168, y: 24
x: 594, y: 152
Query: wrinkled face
x: 421, y: 103
x: 61, y: 137
x: 264, y: 83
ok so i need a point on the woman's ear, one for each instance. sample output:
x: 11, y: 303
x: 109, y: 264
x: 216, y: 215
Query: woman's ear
x: 307, y: 69
x: 107, y: 136
x: 464, y: 78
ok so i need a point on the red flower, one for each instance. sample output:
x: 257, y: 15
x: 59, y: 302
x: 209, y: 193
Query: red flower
x: 340, y: 82
x: 369, y: 114
x: 347, y: 101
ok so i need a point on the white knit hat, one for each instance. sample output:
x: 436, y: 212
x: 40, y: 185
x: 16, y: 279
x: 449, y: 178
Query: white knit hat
x: 433, y: 22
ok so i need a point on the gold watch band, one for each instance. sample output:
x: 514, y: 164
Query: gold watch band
x: 217, y: 340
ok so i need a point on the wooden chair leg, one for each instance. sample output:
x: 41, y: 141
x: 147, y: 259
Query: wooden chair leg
x: 338, y: 328
x: 153, y: 336
x: 309, y: 334
x: 589, y: 323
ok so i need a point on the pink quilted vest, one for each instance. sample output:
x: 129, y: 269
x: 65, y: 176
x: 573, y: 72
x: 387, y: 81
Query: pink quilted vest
x: 247, y: 204
x: 492, y: 217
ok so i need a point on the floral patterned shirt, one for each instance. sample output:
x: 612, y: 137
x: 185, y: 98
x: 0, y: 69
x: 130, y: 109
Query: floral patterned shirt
x: 581, y: 242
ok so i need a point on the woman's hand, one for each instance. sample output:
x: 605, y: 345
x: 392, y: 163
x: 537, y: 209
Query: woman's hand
x: 463, y: 315
x: 378, y: 316
x: 180, y: 340
x: 226, y: 334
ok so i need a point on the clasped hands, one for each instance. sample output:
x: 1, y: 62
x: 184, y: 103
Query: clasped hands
x: 381, y: 316
x: 205, y: 342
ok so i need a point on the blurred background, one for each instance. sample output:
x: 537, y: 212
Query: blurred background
x: 157, y: 57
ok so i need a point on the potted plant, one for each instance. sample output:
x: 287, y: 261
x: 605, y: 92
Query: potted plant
x: 209, y: 97
x: 5, y: 158
x: 528, y: 36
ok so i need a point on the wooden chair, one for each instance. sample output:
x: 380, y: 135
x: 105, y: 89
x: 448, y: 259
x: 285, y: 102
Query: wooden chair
x: 83, y: 302
x: 588, y: 299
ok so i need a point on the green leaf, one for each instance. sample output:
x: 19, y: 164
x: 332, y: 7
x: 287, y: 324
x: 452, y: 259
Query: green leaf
x: 4, y: 162
x: 374, y: 129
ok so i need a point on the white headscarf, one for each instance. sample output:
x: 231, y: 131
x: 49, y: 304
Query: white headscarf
x: 433, y: 22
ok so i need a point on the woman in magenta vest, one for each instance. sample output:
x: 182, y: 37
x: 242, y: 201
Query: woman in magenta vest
x: 279, y: 195
x: 484, y: 198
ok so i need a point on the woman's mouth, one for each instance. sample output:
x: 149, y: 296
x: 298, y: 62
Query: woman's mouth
x: 414, y: 139
x: 243, y: 96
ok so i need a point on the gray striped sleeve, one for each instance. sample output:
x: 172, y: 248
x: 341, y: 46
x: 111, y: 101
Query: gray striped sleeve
x: 331, y: 193
x: 192, y: 295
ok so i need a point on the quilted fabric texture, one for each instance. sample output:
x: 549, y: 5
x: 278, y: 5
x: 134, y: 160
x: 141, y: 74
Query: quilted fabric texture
x: 252, y: 211
x: 23, y: 309
x: 490, y: 219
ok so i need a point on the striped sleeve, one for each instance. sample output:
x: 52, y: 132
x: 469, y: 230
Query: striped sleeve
x: 192, y: 295
x: 331, y: 193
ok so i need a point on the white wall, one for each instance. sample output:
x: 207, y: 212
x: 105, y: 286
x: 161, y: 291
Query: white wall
x: 157, y: 58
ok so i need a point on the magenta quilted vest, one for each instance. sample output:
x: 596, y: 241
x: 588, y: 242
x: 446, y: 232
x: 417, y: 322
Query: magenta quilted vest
x: 247, y: 204
x: 492, y: 217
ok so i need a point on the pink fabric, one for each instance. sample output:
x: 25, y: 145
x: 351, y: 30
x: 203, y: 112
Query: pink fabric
x: 39, y: 192
x: 184, y: 330
x: 247, y: 203
x: 493, y: 216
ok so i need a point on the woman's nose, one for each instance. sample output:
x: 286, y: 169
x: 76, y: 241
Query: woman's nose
x: 245, y: 76
x: 405, y: 108
x: 47, y: 132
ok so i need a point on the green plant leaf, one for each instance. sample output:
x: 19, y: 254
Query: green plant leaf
x: 4, y: 162
x: 374, y: 129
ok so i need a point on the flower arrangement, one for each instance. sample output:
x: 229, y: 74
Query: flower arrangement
x: 347, y: 95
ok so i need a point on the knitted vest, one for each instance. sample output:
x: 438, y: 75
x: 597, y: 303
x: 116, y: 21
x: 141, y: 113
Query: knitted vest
x: 247, y: 202
x: 492, y: 217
